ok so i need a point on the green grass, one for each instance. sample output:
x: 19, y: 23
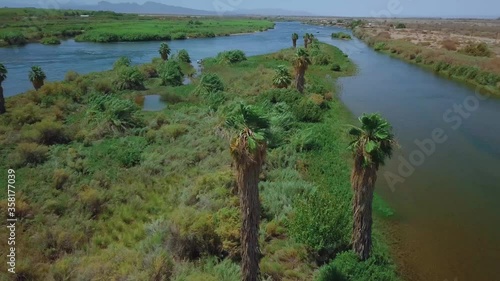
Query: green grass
x: 20, y: 26
x: 109, y: 192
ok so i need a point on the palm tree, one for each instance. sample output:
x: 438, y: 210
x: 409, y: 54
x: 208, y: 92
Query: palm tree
x: 248, y: 150
x: 301, y: 63
x: 36, y: 77
x: 3, y: 76
x: 372, y: 144
x: 282, y: 78
x: 295, y: 37
x: 306, y: 40
x: 164, y: 51
x: 311, y: 38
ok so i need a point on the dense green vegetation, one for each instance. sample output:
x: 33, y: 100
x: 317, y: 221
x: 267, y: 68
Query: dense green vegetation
x: 341, y: 35
x: 107, y: 191
x: 20, y: 26
x: 472, y: 64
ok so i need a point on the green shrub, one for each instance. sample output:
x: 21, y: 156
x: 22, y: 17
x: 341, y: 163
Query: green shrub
x: 14, y: 38
x: 29, y: 154
x: 112, y: 114
x: 282, y: 121
x: 171, y: 73
x: 341, y: 35
x: 233, y: 56
x: 28, y: 114
x: 209, y: 269
x: 278, y: 196
x: 71, y: 76
x: 129, y: 78
x: 215, y: 99
x: 400, y: 26
x: 347, y: 267
x: 183, y: 56
x: 172, y: 132
x: 179, y: 36
x: 60, y: 178
x: 308, y: 111
x: 171, y: 98
x: 379, y: 46
x: 92, y: 201
x: 192, y: 234
x: 55, y: 206
x: 441, y: 66
x: 321, y: 59
x: 228, y: 228
x: 122, y: 62
x: 103, y: 86
x: 148, y: 70
x: 289, y: 96
x: 49, y: 132
x: 335, y: 67
x: 130, y: 154
x: 305, y: 140
x: 321, y: 221
x: 210, y: 83
x: 50, y: 41
x: 477, y: 50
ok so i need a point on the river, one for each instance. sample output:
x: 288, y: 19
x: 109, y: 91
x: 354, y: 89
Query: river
x: 446, y: 225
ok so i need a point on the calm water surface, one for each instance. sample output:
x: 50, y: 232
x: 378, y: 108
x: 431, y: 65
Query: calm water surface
x: 447, y: 218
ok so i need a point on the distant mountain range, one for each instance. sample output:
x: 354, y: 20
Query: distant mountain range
x: 158, y: 8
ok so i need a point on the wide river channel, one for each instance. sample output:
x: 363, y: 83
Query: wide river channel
x: 444, y: 181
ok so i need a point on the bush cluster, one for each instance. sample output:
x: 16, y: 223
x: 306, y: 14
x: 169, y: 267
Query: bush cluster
x: 129, y: 78
x: 341, y: 35
x: 50, y: 41
x: 233, y: 56
x: 171, y: 73
x: 477, y: 50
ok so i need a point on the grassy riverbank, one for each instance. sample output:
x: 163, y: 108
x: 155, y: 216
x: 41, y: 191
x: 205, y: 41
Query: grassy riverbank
x: 472, y: 64
x: 107, y: 191
x: 21, y: 26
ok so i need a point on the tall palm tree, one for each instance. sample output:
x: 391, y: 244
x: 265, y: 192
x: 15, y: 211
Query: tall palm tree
x: 301, y: 63
x: 295, y: 37
x: 3, y: 76
x: 372, y: 144
x: 282, y: 78
x: 164, y: 51
x: 37, y: 76
x: 306, y: 40
x: 248, y: 150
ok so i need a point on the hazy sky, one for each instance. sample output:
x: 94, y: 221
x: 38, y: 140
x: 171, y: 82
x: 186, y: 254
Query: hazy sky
x: 383, y: 8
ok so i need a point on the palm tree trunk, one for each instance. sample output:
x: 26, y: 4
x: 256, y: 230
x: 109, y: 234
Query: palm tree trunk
x: 305, y: 43
x: 294, y: 43
x: 300, y: 80
x: 248, y: 171
x: 363, y: 183
x: 37, y: 84
x: 2, y: 101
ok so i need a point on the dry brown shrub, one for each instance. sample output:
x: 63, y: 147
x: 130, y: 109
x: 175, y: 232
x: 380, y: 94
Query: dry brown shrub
x: 493, y: 65
x: 384, y: 35
x: 449, y: 44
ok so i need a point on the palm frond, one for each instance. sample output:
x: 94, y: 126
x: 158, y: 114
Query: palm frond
x: 374, y: 139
